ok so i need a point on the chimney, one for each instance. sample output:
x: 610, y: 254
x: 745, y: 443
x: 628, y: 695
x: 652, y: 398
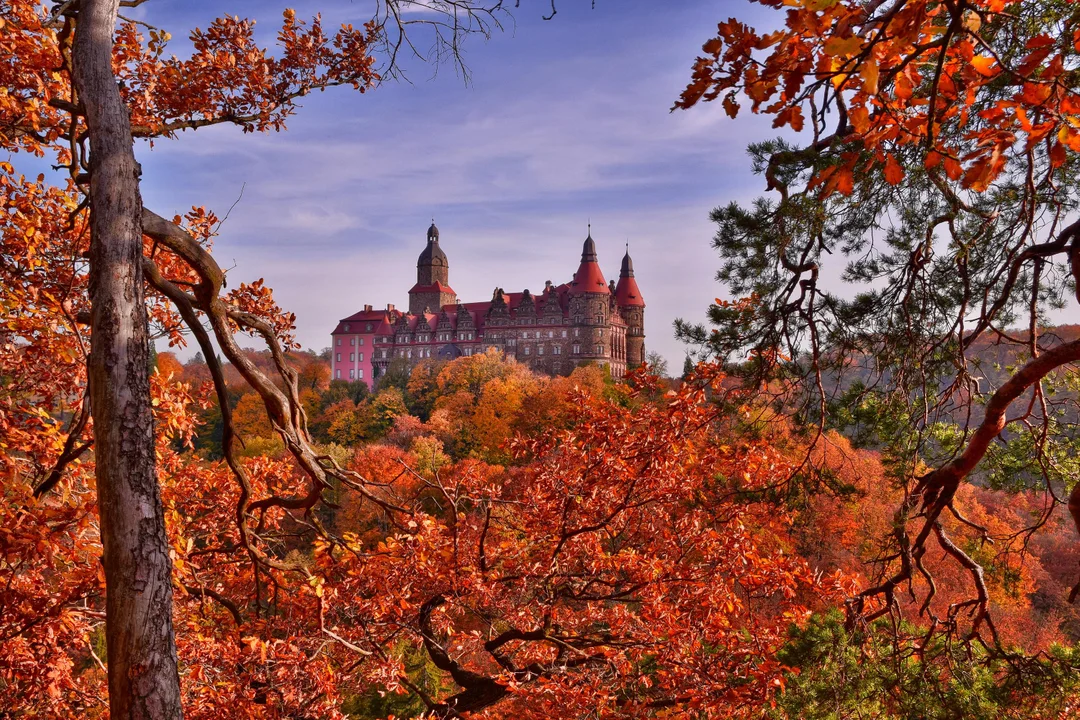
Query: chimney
x: 367, y: 308
x: 389, y: 307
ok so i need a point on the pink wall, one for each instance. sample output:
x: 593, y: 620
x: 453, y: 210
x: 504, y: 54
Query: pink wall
x: 352, y: 347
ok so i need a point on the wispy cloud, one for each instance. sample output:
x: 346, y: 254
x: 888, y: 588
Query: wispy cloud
x: 567, y: 121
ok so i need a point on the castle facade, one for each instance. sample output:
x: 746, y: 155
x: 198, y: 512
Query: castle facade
x: 585, y: 320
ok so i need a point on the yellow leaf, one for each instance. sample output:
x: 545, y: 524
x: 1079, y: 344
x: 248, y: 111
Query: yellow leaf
x: 1069, y: 137
x: 842, y: 46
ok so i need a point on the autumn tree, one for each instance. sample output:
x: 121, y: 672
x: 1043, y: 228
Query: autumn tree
x: 79, y: 90
x: 613, y: 575
x: 938, y: 182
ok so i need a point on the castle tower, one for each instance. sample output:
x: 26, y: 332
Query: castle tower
x: 590, y: 300
x: 632, y: 308
x: 432, y: 290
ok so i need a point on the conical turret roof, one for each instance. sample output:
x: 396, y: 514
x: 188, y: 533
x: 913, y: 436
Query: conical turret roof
x: 589, y: 278
x: 627, y: 293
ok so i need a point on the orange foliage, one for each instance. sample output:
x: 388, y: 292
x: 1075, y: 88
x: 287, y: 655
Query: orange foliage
x: 1027, y: 584
x: 168, y: 366
x: 589, y: 581
x: 250, y: 417
x: 924, y: 76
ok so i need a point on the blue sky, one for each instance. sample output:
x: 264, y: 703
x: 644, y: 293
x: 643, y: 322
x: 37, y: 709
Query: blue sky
x: 563, y: 122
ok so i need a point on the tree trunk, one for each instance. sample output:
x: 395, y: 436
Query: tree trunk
x: 143, y: 677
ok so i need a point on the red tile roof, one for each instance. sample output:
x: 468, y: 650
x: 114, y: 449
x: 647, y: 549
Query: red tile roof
x: 627, y: 293
x: 364, y: 316
x: 589, y: 279
x: 434, y: 287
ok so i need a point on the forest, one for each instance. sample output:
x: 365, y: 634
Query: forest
x: 860, y: 499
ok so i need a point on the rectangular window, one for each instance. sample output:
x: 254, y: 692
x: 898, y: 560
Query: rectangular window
x: 361, y: 357
x: 599, y: 349
x: 352, y: 357
x: 564, y: 333
x: 352, y: 341
x: 337, y: 374
x: 361, y: 341
x: 556, y: 350
x: 577, y: 349
x: 360, y: 373
x: 551, y: 333
x: 339, y: 357
x: 352, y: 374
x: 540, y: 350
x: 528, y: 350
x: 339, y: 342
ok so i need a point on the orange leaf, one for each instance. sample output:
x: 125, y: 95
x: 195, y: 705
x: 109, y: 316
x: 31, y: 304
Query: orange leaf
x: 953, y: 168
x: 870, y: 76
x: 859, y: 117
x: 903, y: 87
x: 985, y: 65
x: 1057, y: 155
x: 894, y: 174
x: 845, y: 180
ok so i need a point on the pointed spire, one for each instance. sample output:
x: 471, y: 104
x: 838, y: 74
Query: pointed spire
x: 626, y: 292
x: 588, y: 250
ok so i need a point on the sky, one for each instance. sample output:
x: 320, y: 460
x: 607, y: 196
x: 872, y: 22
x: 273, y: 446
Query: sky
x: 562, y: 123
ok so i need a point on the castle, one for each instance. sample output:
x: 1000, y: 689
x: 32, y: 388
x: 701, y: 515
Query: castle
x: 585, y: 320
